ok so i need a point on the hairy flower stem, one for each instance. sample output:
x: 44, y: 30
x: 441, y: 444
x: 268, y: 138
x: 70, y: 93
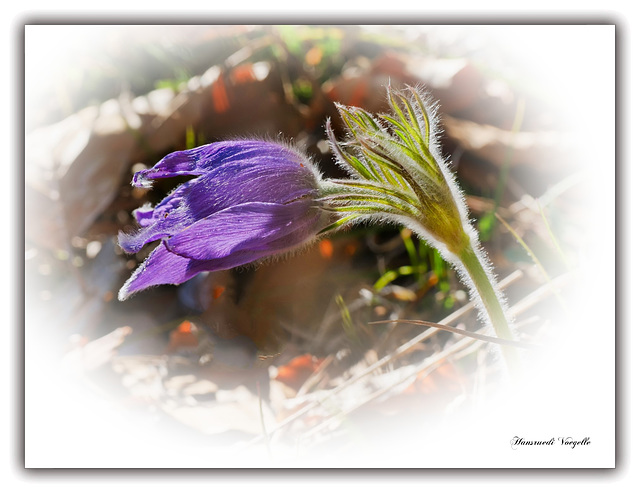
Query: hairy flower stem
x: 495, y: 311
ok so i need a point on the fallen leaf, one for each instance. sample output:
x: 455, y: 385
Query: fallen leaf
x: 298, y: 370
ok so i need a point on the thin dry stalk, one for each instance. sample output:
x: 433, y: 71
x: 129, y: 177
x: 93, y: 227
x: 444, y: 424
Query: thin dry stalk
x: 511, y: 278
x: 431, y: 363
x: 316, y: 376
x: 427, y: 366
x: 467, y: 333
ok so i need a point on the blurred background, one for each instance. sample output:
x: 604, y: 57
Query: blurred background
x: 282, y: 359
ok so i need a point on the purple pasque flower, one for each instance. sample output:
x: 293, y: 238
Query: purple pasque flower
x: 247, y: 200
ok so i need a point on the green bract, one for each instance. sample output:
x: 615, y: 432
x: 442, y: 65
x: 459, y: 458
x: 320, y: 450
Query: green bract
x: 398, y: 174
x: 397, y: 169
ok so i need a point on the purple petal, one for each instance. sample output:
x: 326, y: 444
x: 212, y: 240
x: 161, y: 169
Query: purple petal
x: 144, y: 215
x: 203, y: 159
x: 308, y: 228
x: 170, y: 216
x: 250, y: 226
x: 163, y: 267
x: 226, y: 186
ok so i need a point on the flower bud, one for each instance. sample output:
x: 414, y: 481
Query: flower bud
x: 246, y: 200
